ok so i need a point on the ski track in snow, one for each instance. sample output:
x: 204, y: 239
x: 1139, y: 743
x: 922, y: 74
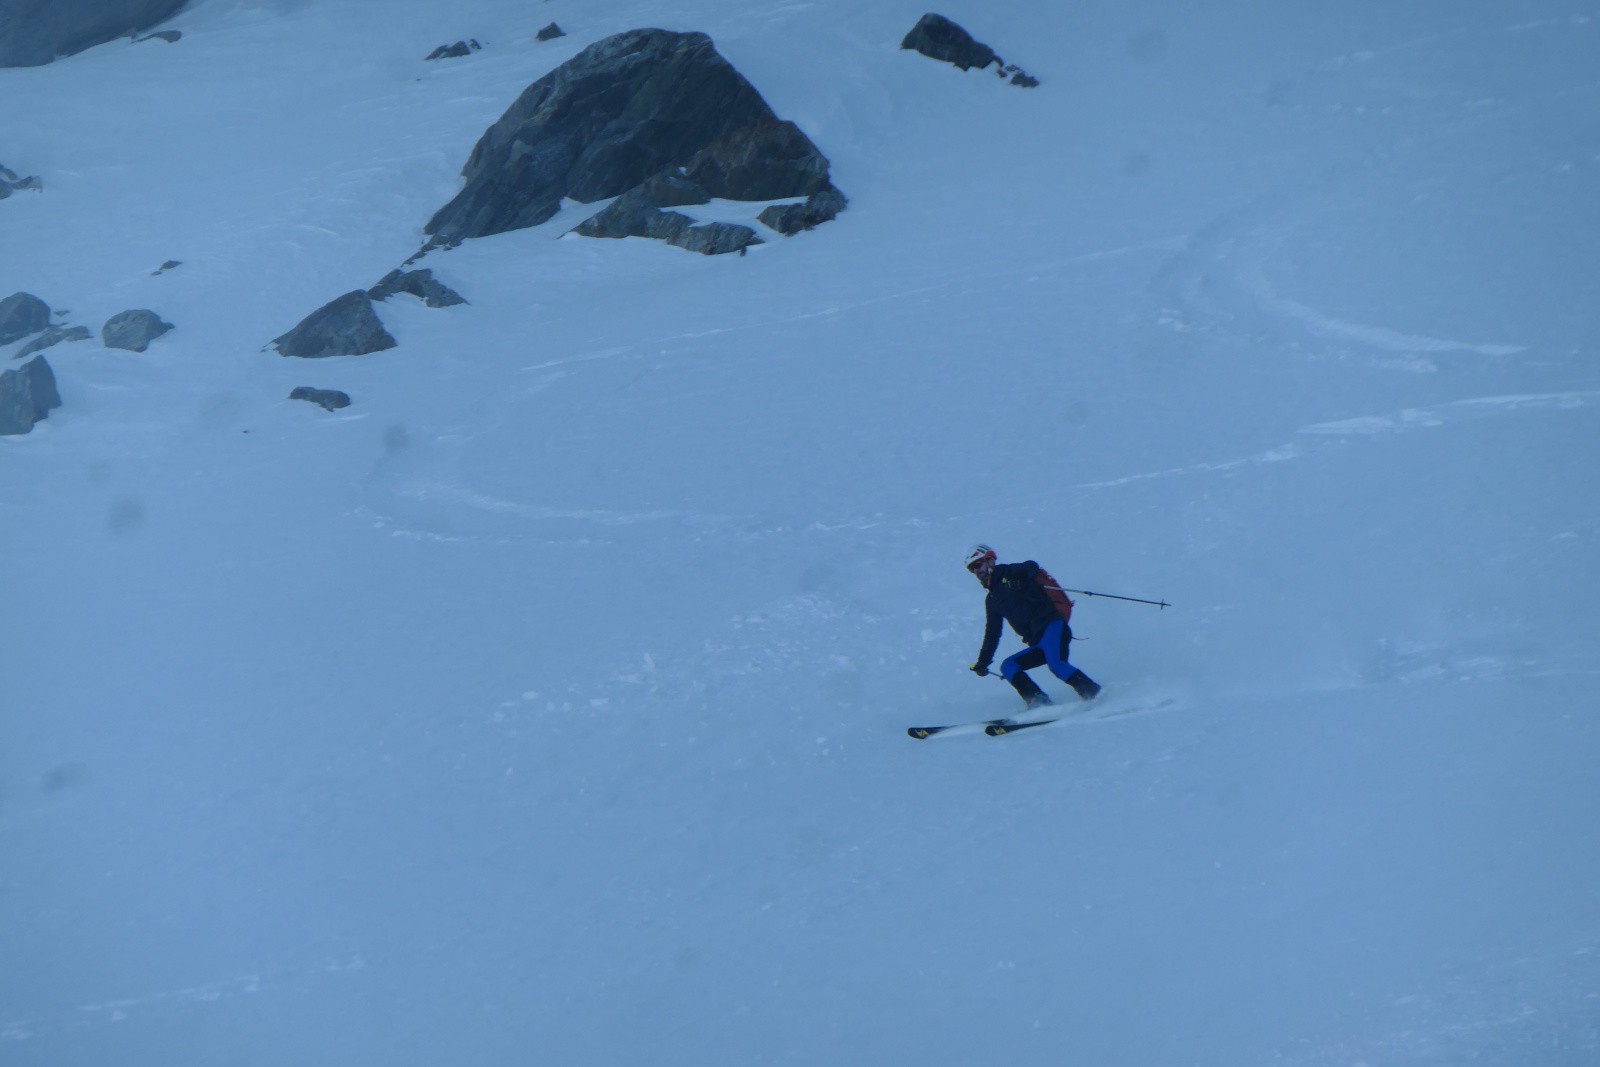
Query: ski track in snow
x: 1340, y: 62
x: 1371, y: 425
x: 964, y: 284
x: 121, y: 1009
x: 1254, y: 281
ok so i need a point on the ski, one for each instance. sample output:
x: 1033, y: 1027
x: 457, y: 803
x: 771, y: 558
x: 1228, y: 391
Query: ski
x: 923, y: 732
x: 997, y: 729
x: 1001, y: 727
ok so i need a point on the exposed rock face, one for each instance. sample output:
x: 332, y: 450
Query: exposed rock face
x: 763, y: 161
x: 623, y: 111
x: 347, y: 326
x: 26, y: 395
x: 419, y: 283
x: 327, y: 399
x: 938, y: 38
x: 672, y: 190
x: 133, y: 330
x: 22, y: 314
x: 35, y: 32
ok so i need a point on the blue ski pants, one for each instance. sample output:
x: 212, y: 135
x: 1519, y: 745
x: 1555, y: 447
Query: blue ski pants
x: 1051, y: 651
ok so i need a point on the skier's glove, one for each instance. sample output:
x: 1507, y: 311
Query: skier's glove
x: 980, y: 669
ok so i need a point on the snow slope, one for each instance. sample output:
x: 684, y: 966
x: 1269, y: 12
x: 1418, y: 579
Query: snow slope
x: 547, y: 705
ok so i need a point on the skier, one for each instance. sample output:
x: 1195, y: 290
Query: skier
x: 1024, y: 595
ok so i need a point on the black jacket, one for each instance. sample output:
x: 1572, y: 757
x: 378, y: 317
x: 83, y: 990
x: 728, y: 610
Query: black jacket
x: 1024, y: 595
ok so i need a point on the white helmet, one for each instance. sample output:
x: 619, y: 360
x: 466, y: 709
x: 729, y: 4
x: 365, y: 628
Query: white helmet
x: 978, y: 554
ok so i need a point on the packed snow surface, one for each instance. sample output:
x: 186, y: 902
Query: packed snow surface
x: 548, y: 704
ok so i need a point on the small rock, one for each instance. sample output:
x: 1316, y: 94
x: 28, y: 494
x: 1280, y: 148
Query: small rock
x: 52, y: 336
x: 455, y: 51
x: 550, y: 33
x: 10, y: 183
x: 328, y: 399
x: 133, y: 330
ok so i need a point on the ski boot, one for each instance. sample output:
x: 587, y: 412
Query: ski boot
x: 1086, y: 688
x: 1029, y: 691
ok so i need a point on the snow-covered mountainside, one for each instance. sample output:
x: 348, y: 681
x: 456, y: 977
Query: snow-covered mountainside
x: 548, y: 703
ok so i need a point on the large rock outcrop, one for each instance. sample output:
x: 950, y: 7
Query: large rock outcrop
x: 625, y: 111
x: 35, y: 32
x: 26, y: 395
x: 347, y: 326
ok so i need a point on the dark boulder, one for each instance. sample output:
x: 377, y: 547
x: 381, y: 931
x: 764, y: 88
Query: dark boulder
x: 818, y: 208
x: 327, y: 399
x: 938, y: 38
x: 51, y: 337
x: 420, y: 284
x: 133, y: 330
x: 623, y: 110
x: 22, y: 314
x: 27, y: 395
x: 347, y: 326
x: 34, y: 32
x: 550, y: 33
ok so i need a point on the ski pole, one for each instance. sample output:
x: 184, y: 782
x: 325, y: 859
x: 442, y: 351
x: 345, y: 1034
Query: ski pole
x: 1113, y: 596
